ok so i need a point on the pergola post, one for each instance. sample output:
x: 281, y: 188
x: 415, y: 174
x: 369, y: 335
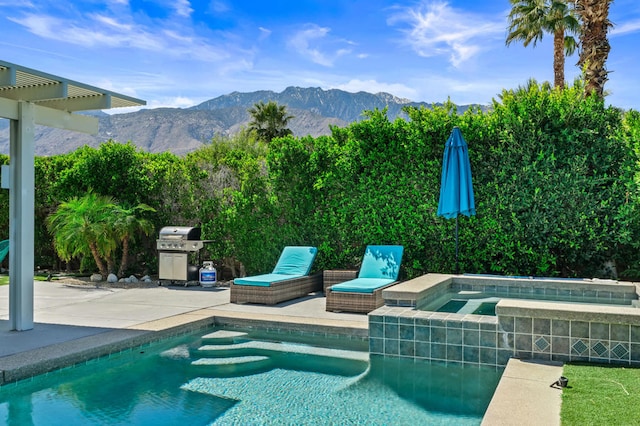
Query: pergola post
x: 29, y: 97
x: 21, y: 218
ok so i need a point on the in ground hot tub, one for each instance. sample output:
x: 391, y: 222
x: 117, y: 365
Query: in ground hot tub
x: 548, y: 319
x: 468, y: 297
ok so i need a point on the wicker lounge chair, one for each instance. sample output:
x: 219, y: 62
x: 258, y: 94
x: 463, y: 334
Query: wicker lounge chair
x: 379, y: 270
x: 290, y: 279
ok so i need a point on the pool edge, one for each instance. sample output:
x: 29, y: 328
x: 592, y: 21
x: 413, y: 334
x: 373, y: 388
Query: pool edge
x: 524, y: 390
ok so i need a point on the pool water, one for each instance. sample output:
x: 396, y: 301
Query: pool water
x: 466, y: 306
x: 255, y: 380
x: 484, y: 303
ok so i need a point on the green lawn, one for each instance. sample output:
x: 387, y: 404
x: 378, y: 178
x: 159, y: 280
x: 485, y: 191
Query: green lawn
x: 601, y: 395
x: 4, y: 279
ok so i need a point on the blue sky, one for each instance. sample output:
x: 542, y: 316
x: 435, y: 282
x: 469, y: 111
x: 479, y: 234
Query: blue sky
x: 178, y: 53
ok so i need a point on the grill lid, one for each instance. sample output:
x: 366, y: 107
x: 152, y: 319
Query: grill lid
x: 180, y: 233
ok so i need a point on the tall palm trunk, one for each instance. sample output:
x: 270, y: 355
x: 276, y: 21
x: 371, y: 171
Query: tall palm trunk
x: 99, y: 263
x: 558, y: 58
x: 595, y: 45
x: 124, y: 262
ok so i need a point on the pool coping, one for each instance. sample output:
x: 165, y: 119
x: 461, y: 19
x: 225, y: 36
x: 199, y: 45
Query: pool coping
x: 409, y: 293
x: 525, y: 391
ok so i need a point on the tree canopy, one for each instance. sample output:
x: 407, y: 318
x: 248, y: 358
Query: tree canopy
x: 530, y: 19
x: 269, y: 120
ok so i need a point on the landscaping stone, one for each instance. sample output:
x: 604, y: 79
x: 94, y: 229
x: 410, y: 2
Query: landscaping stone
x: 95, y: 278
x: 112, y: 278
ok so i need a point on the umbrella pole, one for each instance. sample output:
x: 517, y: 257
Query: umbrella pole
x: 456, y: 245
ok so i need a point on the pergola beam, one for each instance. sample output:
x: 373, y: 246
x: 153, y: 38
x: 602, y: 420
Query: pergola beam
x: 64, y: 120
x: 51, y: 117
x: 58, y: 90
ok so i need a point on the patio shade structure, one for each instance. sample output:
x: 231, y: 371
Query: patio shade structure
x: 456, y: 188
x: 29, y: 97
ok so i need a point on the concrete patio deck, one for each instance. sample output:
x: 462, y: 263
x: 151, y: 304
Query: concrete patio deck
x: 75, y: 323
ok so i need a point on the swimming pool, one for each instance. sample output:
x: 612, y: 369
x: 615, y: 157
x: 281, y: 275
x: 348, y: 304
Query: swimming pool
x: 215, y: 377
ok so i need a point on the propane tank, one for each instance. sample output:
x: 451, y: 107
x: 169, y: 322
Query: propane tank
x: 208, y: 274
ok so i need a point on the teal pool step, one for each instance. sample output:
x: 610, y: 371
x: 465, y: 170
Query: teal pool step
x: 224, y: 337
x: 230, y: 353
x: 233, y: 366
x: 282, y: 347
x: 235, y: 360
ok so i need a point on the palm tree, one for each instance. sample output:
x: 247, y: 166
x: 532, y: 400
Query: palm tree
x: 269, y: 120
x: 595, y: 45
x: 126, y: 225
x: 530, y: 19
x: 81, y: 227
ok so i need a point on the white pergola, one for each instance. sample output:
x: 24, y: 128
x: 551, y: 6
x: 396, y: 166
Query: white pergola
x: 29, y: 97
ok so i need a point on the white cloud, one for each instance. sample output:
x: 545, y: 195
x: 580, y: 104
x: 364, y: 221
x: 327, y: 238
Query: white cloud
x: 87, y: 35
x: 232, y: 67
x: 309, y: 42
x: 220, y: 7
x: 175, y: 102
x: 110, y: 22
x: 626, y: 28
x: 301, y: 42
x: 264, y: 33
x: 98, y: 31
x: 435, y: 28
x: 122, y: 88
x: 182, y: 7
x: 13, y: 3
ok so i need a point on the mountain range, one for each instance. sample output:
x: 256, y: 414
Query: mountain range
x: 182, y: 130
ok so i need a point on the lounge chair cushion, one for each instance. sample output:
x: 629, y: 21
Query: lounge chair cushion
x: 362, y: 285
x: 264, y: 280
x: 381, y: 262
x: 295, y: 260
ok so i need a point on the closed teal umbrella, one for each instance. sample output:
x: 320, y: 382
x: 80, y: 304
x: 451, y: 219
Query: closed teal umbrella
x: 456, y: 189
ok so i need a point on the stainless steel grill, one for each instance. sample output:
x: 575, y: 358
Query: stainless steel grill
x: 174, y: 245
x: 179, y: 238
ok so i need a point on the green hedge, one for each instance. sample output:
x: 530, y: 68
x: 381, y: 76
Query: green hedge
x: 553, y: 185
x: 553, y: 175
